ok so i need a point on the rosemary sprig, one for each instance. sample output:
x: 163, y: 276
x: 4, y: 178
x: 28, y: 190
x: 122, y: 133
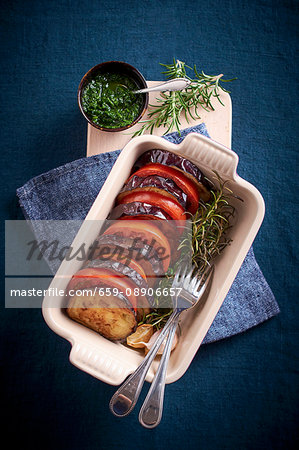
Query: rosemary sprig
x: 157, y: 318
x: 209, y: 227
x: 205, y: 239
x: 172, y: 105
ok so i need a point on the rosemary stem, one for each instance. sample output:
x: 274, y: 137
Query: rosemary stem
x: 171, y: 105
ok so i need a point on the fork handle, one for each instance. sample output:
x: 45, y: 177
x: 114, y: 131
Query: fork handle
x: 125, y: 398
x: 151, y: 411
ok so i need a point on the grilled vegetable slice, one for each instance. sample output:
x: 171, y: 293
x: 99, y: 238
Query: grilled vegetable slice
x: 175, y: 160
x: 137, y: 209
x: 93, y: 276
x: 166, y: 226
x: 147, y: 233
x: 188, y: 186
x: 159, y: 182
x: 169, y: 159
x: 134, y: 265
x: 137, y: 287
x: 155, y: 197
x: 127, y: 249
x: 115, y: 253
x: 108, y: 315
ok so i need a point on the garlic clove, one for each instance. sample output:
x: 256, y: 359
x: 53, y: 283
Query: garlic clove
x: 141, y: 336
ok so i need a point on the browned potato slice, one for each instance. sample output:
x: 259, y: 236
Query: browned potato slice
x: 108, y: 315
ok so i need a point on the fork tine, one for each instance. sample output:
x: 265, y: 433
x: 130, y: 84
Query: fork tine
x: 202, y: 277
x: 187, y: 278
x: 204, y: 280
x: 182, y: 274
x: 176, y: 277
x: 179, y: 276
x: 194, y: 283
x: 198, y: 283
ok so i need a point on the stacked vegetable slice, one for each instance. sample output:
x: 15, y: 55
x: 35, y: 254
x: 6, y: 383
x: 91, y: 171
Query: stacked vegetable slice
x: 135, y: 250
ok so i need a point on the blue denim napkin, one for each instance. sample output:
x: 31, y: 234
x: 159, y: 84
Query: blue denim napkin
x: 68, y: 192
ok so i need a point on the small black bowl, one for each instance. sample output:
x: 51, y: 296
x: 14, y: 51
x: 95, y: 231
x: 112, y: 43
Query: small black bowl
x: 119, y: 68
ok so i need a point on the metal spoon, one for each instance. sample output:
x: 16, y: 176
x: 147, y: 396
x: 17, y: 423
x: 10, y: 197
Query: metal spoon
x: 177, y: 84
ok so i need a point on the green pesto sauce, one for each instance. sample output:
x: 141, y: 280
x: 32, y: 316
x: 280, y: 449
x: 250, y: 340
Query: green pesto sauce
x: 109, y: 102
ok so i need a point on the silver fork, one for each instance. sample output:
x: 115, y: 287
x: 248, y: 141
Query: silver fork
x: 125, y: 398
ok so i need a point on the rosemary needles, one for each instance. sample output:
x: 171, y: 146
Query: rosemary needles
x: 188, y: 102
x: 210, y: 225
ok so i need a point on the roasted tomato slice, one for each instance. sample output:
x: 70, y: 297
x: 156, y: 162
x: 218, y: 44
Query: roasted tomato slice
x: 181, y: 180
x: 156, y: 197
x: 156, y: 181
x: 167, y: 158
x: 106, y: 277
x: 147, y: 232
x: 204, y: 190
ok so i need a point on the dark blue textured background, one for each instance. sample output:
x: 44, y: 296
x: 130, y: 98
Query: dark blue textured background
x: 240, y: 393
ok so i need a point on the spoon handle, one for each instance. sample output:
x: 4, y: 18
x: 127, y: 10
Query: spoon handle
x: 151, y: 411
x: 125, y: 398
x: 171, y: 85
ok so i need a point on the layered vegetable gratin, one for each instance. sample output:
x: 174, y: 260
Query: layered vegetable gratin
x: 137, y: 246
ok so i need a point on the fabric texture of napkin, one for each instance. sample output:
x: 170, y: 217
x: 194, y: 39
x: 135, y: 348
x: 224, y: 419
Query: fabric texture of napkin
x: 67, y: 193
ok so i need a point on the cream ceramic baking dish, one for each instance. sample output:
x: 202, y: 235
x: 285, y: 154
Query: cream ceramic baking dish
x: 113, y: 362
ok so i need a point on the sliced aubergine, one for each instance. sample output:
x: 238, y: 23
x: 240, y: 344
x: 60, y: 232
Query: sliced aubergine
x: 143, y: 254
x: 147, y: 189
x: 144, y: 260
x: 172, y: 159
x: 115, y: 253
x: 137, y: 209
x: 163, y: 235
x: 110, y: 315
x: 156, y: 197
x: 169, y: 159
x: 91, y: 278
x: 188, y: 184
x: 170, y: 228
x: 157, y: 182
x: 144, y: 302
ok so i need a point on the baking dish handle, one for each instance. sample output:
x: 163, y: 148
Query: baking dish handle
x: 223, y: 160
x: 99, y: 364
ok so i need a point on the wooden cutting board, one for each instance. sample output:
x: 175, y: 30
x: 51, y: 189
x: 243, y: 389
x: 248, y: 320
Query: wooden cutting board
x: 218, y: 123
